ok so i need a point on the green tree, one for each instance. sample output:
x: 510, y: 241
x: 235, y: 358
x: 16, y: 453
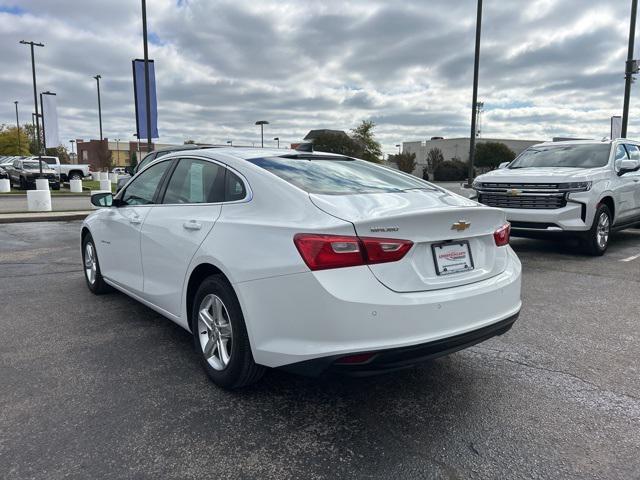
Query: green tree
x: 434, y: 158
x: 363, y: 135
x: 9, y: 141
x: 340, y: 143
x: 134, y: 160
x: 406, y: 161
x: 60, y: 152
x: 492, y: 154
x: 450, y: 170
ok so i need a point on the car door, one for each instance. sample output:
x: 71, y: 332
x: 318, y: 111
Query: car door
x: 119, y: 244
x: 632, y: 184
x: 173, y: 230
x: 623, y: 185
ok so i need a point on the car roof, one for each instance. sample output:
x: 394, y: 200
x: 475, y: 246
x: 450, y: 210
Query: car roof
x: 589, y: 142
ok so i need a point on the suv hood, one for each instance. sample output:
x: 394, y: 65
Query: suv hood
x: 538, y: 174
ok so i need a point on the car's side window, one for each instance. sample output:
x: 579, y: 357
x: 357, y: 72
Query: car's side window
x: 234, y: 189
x: 621, y: 154
x: 634, y: 152
x: 195, y: 181
x: 143, y: 188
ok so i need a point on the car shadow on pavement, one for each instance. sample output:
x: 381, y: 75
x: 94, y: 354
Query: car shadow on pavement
x: 571, y: 246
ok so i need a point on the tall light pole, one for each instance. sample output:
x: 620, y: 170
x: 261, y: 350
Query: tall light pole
x: 117, y: 151
x: 147, y: 94
x: 399, y: 147
x: 73, y: 142
x: 17, y: 125
x: 35, y: 98
x: 630, y: 69
x: 277, y: 139
x: 474, y: 106
x: 230, y: 143
x: 262, y: 123
x: 98, y: 77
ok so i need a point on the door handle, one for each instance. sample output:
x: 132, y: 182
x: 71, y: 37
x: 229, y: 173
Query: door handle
x: 135, y: 220
x: 192, y: 225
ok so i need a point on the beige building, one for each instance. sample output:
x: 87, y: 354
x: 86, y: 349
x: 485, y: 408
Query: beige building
x: 457, y: 148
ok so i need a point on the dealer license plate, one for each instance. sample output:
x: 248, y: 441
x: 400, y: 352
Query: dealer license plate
x: 452, y: 257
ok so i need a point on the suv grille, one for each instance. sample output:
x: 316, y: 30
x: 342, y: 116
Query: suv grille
x: 540, y: 196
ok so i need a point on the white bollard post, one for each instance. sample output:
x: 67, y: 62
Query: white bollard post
x: 105, y: 185
x: 75, y: 186
x: 39, y: 200
x: 113, y: 177
x: 104, y: 176
x: 42, y: 184
x: 5, y: 185
x: 95, y: 176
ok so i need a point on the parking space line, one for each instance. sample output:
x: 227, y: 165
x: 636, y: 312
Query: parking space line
x: 631, y: 258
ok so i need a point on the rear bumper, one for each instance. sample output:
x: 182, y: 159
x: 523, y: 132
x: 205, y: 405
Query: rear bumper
x: 301, y: 317
x: 384, y: 361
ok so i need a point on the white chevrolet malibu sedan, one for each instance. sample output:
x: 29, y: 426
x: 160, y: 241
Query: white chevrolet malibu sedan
x: 309, y: 262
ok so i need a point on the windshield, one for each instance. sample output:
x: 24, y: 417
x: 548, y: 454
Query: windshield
x: 338, y: 176
x: 588, y: 155
x: 34, y: 165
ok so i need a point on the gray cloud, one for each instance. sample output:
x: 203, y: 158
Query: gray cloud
x: 549, y: 67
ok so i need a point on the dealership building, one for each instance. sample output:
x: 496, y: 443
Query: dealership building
x: 456, y: 148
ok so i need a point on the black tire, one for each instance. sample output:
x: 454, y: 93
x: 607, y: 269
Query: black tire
x: 56, y: 186
x: 23, y: 184
x: 98, y: 286
x: 592, y: 244
x: 75, y: 176
x: 241, y: 370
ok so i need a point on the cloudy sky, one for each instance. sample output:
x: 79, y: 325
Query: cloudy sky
x: 548, y: 68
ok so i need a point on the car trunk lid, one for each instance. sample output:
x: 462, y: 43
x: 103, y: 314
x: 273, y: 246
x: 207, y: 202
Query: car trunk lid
x: 439, y: 224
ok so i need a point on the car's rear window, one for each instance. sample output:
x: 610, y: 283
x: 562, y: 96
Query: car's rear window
x: 339, y: 176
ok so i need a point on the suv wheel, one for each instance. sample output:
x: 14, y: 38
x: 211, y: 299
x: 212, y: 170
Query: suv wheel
x: 597, y: 238
x: 220, y: 335
x: 75, y: 176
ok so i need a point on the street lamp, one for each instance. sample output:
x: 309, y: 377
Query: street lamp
x: 230, y: 142
x: 474, y: 106
x: 17, y: 126
x: 262, y: 123
x: 98, y: 77
x: 399, y: 146
x: 630, y: 68
x: 277, y: 139
x: 73, y: 142
x: 35, y: 97
x: 117, y: 151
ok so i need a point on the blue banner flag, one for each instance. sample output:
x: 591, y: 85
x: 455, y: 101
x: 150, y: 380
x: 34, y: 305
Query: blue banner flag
x: 140, y: 99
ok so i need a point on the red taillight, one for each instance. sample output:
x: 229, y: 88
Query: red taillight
x: 501, y: 235
x: 321, y: 252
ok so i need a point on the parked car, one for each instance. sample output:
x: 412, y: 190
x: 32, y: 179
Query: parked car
x: 23, y: 173
x: 67, y: 171
x: 586, y: 189
x: 119, y: 171
x: 304, y: 261
x: 150, y: 157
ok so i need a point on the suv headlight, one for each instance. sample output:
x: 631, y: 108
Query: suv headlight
x: 575, y: 186
x: 476, y: 184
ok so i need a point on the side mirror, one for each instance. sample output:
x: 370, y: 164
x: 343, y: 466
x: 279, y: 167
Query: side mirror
x: 104, y: 199
x: 503, y: 165
x: 626, y: 166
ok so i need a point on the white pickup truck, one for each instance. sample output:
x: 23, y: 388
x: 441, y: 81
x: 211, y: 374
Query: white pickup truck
x: 582, y: 188
x: 67, y: 171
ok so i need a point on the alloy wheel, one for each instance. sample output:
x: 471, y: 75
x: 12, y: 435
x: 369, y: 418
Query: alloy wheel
x: 602, y: 231
x: 215, y: 331
x: 90, y: 263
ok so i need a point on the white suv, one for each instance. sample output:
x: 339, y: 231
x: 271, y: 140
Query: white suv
x: 584, y: 188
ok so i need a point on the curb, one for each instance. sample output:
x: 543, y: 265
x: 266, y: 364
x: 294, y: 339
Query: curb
x: 43, y: 216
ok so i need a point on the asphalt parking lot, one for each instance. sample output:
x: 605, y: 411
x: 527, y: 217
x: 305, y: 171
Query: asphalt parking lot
x: 103, y: 387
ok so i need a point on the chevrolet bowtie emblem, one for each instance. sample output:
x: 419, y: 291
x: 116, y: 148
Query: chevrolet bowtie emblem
x: 460, y: 226
x: 514, y: 192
